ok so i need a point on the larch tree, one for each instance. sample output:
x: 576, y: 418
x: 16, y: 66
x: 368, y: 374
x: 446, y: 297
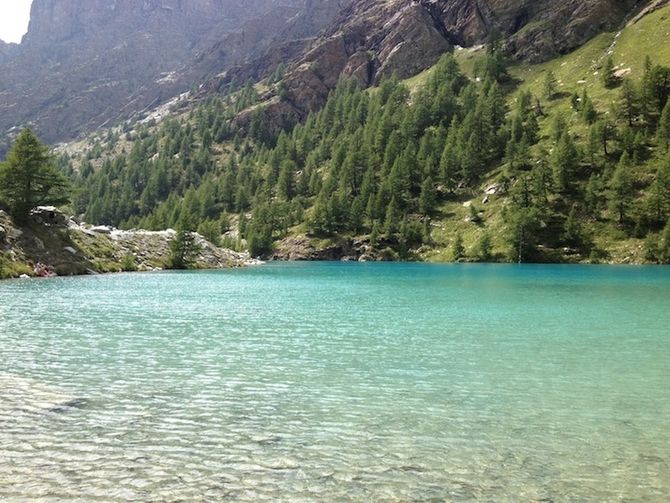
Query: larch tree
x: 29, y: 178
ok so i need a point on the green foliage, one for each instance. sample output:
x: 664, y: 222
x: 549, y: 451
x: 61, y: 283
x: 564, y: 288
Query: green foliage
x: 11, y: 269
x: 383, y: 164
x: 621, y: 189
x: 564, y: 162
x: 184, y: 248
x: 572, y: 229
x: 128, y: 263
x: 211, y: 231
x: 549, y: 85
x: 608, y: 78
x: 458, y: 248
x: 484, y: 248
x: 29, y: 178
x: 663, y: 131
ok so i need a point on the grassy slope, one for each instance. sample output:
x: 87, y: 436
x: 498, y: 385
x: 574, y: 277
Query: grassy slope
x: 629, y: 49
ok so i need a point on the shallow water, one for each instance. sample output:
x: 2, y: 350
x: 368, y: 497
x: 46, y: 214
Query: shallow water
x: 338, y: 382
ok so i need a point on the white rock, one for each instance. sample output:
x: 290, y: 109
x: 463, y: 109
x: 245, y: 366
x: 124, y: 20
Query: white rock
x: 101, y: 229
x: 70, y: 250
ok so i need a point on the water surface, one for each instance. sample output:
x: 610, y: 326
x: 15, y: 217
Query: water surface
x: 338, y: 382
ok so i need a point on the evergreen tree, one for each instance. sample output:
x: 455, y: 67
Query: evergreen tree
x: 664, y: 245
x: 564, y: 161
x: 549, y: 85
x: 484, y: 247
x: 608, y: 78
x: 572, y: 229
x: 628, y: 104
x: 458, y: 249
x: 663, y: 130
x: 621, y: 189
x: 286, y: 182
x: 29, y: 178
x: 428, y: 197
x: 184, y: 248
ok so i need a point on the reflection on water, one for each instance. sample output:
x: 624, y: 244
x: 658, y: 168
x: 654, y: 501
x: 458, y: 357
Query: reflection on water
x: 338, y: 382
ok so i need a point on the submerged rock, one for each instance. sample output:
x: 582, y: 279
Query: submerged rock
x: 26, y: 395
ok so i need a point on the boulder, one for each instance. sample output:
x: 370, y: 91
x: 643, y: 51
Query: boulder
x: 101, y: 229
x: 49, y: 216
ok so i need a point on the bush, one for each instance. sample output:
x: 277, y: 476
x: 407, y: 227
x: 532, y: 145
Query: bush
x: 128, y: 263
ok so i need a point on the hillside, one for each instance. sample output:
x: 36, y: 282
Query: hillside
x: 481, y: 157
x: 86, y: 64
x: 467, y: 161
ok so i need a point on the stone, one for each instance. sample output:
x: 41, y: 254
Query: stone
x: 71, y: 250
x: 49, y: 215
x: 101, y: 229
x: 492, y: 190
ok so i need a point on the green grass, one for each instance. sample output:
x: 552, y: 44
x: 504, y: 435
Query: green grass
x: 574, y: 72
x: 12, y: 269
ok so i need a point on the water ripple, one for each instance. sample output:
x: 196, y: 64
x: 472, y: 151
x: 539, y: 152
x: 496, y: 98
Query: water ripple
x: 337, y: 382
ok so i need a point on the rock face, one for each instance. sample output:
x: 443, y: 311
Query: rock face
x: 86, y: 63
x: 55, y: 243
x: 373, y: 39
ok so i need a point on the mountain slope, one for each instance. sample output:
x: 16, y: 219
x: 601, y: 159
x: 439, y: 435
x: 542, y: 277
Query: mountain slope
x: 374, y: 39
x: 456, y: 168
x: 83, y: 64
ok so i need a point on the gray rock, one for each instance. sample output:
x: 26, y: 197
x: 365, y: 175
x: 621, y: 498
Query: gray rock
x: 101, y: 229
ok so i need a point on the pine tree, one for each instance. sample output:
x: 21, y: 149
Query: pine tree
x: 286, y: 182
x: 572, y: 230
x: 29, y: 178
x: 621, y: 189
x: 608, y: 78
x: 184, y: 248
x: 628, y: 105
x: 458, y: 249
x: 588, y: 111
x: 564, y: 161
x: 663, y: 130
x: 664, y: 245
x: 549, y: 85
x: 484, y: 248
x: 428, y: 197
x: 393, y: 216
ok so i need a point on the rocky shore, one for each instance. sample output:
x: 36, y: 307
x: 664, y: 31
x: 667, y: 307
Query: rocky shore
x: 55, y: 244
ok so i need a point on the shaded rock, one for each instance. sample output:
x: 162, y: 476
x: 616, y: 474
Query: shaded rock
x: 48, y: 215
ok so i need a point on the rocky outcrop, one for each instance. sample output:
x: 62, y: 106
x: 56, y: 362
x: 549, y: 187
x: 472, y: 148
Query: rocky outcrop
x: 373, y: 39
x: 54, y: 243
x: 302, y: 248
x: 87, y: 63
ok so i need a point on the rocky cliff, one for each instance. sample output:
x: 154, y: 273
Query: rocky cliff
x: 373, y: 39
x: 86, y: 63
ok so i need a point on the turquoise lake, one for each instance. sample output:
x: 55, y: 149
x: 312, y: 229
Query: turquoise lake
x: 338, y: 382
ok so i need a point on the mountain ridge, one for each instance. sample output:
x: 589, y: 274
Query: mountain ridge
x: 81, y: 63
